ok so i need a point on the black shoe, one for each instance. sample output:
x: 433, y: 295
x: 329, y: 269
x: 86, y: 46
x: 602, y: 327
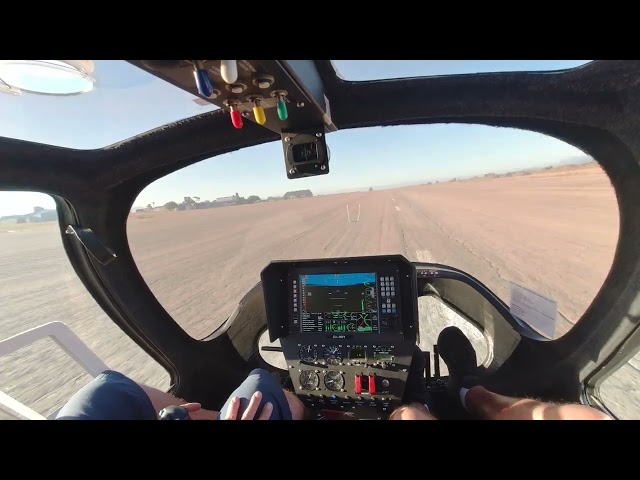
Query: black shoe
x: 416, y: 388
x: 460, y: 357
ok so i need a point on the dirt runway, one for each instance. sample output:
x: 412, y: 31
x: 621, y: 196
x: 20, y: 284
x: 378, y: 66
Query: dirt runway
x: 554, y: 231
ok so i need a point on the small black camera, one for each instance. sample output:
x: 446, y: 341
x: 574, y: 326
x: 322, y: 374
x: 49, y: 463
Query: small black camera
x: 305, y: 153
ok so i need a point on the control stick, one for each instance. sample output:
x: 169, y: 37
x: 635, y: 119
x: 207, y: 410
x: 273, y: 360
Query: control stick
x: 174, y: 412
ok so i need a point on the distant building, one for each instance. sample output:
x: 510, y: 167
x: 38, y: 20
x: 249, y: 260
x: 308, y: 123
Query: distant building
x: 9, y: 219
x: 39, y: 215
x: 44, y: 216
x: 298, y: 194
x: 226, y: 200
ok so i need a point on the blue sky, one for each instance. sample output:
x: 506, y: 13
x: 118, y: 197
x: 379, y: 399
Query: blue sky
x: 127, y: 101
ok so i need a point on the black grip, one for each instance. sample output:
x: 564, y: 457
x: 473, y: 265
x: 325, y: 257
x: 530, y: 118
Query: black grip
x: 174, y: 412
x: 271, y: 349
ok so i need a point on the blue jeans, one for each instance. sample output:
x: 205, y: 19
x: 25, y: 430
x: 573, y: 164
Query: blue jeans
x: 260, y: 380
x: 113, y: 396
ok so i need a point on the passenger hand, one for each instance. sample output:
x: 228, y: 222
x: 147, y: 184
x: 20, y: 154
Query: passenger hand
x: 251, y: 410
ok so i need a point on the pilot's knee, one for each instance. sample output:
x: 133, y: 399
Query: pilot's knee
x: 110, y: 396
x: 261, y: 380
x: 263, y: 377
x: 260, y: 372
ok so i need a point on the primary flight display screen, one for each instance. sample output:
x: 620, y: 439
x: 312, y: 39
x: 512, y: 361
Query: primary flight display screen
x: 339, y: 302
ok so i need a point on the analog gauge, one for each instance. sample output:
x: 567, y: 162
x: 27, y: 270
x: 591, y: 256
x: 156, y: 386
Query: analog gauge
x: 333, y: 354
x: 309, y: 380
x: 334, y: 381
x: 308, y: 353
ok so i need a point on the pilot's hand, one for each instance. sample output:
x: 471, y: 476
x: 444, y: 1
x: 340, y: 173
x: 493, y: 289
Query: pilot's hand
x: 196, y: 412
x: 191, y: 407
x: 251, y: 410
x: 177, y: 412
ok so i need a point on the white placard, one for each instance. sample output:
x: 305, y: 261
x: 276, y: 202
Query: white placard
x: 536, y: 310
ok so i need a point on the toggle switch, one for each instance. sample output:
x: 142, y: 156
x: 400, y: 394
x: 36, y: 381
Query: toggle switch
x: 372, y: 383
x: 236, y: 118
x: 281, y: 105
x: 258, y: 109
x: 229, y: 70
x: 358, y: 384
x: 203, y: 82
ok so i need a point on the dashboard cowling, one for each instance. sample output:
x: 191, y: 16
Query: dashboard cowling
x: 348, y: 330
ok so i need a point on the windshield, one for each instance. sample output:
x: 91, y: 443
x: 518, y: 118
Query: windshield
x: 508, y: 206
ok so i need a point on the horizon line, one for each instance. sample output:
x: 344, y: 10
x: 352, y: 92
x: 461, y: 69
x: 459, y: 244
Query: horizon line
x: 566, y: 162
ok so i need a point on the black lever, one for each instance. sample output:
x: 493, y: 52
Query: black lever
x: 436, y: 363
x: 271, y: 349
x: 427, y: 365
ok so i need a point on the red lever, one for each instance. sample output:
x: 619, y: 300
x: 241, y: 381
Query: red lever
x: 372, y: 383
x: 358, y: 381
x: 236, y: 118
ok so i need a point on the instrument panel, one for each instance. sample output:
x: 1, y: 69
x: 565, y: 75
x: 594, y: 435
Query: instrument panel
x: 348, y: 330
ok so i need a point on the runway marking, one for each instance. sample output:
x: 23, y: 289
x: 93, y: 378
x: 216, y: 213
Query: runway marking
x: 357, y: 218
x: 424, y: 256
x: 398, y: 208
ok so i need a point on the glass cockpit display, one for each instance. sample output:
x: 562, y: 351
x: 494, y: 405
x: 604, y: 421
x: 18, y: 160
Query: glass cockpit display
x: 339, y: 302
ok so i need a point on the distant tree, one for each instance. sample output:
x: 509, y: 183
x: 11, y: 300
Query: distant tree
x: 253, y: 199
x: 371, y: 189
x: 150, y: 207
x: 171, y: 206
